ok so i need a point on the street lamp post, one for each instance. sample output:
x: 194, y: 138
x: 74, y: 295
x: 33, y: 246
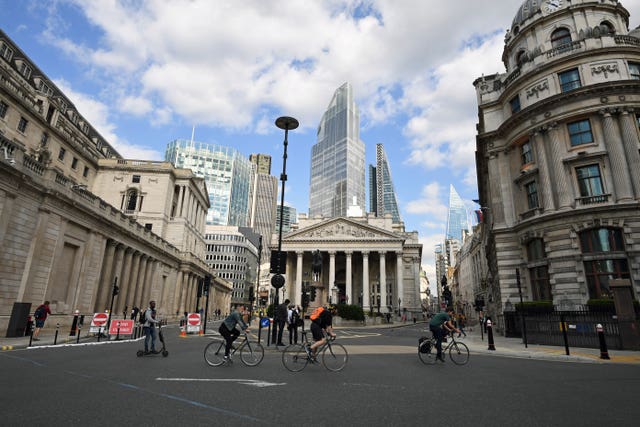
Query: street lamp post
x: 286, y: 123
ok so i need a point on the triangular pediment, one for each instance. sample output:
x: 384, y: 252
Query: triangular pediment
x: 341, y: 229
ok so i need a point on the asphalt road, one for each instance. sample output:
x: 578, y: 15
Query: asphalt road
x: 106, y: 384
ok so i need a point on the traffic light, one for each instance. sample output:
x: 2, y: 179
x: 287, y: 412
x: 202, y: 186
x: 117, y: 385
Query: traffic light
x: 313, y: 294
x: 116, y: 290
x: 200, y: 286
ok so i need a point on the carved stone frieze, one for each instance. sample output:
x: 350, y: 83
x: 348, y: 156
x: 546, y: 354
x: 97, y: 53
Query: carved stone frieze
x: 605, y: 69
x: 537, y: 88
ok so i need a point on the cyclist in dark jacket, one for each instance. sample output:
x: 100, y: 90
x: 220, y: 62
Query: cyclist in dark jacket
x: 228, y: 328
x: 440, y: 325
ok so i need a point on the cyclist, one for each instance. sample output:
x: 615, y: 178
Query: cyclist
x: 228, y: 328
x: 440, y: 325
x: 323, y: 322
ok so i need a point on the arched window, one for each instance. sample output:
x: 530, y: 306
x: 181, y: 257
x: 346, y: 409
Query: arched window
x: 599, y: 271
x: 560, y: 37
x: 132, y: 200
x: 607, y: 28
x: 520, y: 58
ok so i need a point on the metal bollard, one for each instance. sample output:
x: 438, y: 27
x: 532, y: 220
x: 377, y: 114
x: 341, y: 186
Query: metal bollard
x: 55, y: 338
x: 78, y: 337
x: 604, y: 354
x: 490, y: 335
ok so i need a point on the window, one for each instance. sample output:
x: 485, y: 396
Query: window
x: 560, y: 37
x: 599, y: 272
x: 515, y: 104
x: 569, y: 80
x: 25, y: 70
x: 3, y: 109
x: 520, y: 57
x: 634, y: 71
x: 526, y: 154
x: 132, y: 200
x: 532, y: 194
x: 607, y: 27
x: 61, y: 153
x: 589, y: 181
x: 135, y: 179
x: 535, y: 250
x: 580, y: 132
x: 85, y: 172
x: 6, y: 52
x: 44, y: 139
x: 22, y: 124
x: 148, y: 226
x: 540, y: 285
x: 74, y: 163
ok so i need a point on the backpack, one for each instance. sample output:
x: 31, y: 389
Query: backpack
x: 295, y: 318
x: 40, y: 312
x: 316, y: 313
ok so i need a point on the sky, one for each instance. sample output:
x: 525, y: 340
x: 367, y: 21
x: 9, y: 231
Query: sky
x: 145, y: 73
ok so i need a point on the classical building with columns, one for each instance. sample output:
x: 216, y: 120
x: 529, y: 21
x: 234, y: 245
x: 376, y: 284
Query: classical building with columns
x: 558, y: 155
x: 366, y: 261
x: 76, y: 218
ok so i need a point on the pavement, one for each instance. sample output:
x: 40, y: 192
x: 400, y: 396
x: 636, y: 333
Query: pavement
x: 477, y: 343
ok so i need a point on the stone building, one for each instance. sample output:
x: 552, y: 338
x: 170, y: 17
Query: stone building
x: 366, y: 261
x: 73, y: 218
x: 558, y: 154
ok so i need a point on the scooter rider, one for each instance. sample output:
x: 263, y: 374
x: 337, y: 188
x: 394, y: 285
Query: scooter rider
x: 149, y: 328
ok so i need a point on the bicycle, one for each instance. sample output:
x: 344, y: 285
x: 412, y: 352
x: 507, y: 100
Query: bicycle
x: 333, y: 356
x: 458, y: 351
x: 251, y: 354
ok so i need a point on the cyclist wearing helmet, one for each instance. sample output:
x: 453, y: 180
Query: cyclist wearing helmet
x: 322, y: 323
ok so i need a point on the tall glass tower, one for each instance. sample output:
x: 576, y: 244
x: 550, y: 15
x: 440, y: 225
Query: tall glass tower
x: 227, y: 174
x: 457, y: 219
x: 381, y: 192
x: 338, y: 159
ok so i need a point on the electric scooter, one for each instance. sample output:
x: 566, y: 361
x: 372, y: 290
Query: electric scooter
x: 162, y: 351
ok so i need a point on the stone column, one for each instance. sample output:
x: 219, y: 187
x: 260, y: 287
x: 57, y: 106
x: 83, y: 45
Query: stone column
x: 383, y: 282
x: 123, y: 283
x: 133, y: 280
x: 117, y: 273
x: 297, y: 287
x: 544, y: 183
x: 142, y: 269
x: 365, y: 281
x: 348, y: 284
x: 619, y: 169
x: 105, y: 279
x: 332, y: 274
x: 631, y: 145
x: 400, y: 278
x: 178, y: 293
x: 180, y: 201
x: 146, y: 293
x: 560, y: 183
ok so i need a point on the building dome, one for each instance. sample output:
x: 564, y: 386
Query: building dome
x: 526, y: 11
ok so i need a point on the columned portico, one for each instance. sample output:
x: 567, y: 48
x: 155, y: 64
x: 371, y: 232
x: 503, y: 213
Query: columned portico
x: 365, y: 281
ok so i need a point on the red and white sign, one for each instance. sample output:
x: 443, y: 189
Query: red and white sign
x: 122, y: 327
x: 99, y: 319
x: 193, y: 322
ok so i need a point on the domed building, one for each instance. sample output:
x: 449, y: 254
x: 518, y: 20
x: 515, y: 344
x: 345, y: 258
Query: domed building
x: 558, y: 156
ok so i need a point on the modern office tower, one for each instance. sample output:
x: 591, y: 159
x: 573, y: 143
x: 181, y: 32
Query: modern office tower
x: 338, y: 159
x: 558, y: 155
x: 227, y: 173
x: 264, y: 201
x: 289, y: 216
x: 232, y: 253
x: 457, y: 217
x: 381, y: 192
x: 263, y: 163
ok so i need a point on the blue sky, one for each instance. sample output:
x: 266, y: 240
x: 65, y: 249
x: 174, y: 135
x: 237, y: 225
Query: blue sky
x: 145, y: 72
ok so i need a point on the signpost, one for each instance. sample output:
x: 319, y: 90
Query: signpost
x: 98, y: 322
x: 121, y: 327
x: 193, y: 322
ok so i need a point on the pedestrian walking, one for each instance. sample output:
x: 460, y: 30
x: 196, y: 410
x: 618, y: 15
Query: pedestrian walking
x: 40, y: 315
x: 293, y: 323
x: 134, y: 312
x: 462, y: 322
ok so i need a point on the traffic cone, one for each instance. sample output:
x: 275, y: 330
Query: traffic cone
x: 201, y: 332
x: 183, y: 332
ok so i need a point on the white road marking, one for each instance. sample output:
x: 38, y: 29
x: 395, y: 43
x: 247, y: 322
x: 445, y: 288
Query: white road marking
x: 254, y: 383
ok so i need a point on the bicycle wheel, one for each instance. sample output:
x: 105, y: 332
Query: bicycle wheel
x: 459, y: 353
x: 427, y: 352
x: 251, y: 354
x: 294, y: 357
x: 334, y: 357
x: 214, y: 352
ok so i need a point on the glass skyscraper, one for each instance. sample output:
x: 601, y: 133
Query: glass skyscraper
x: 381, y: 192
x: 227, y: 174
x: 457, y: 219
x: 338, y: 159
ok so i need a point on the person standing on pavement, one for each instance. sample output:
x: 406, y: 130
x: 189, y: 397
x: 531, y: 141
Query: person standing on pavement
x: 281, y: 319
x: 440, y: 325
x: 293, y: 322
x: 40, y: 315
x: 149, y: 327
